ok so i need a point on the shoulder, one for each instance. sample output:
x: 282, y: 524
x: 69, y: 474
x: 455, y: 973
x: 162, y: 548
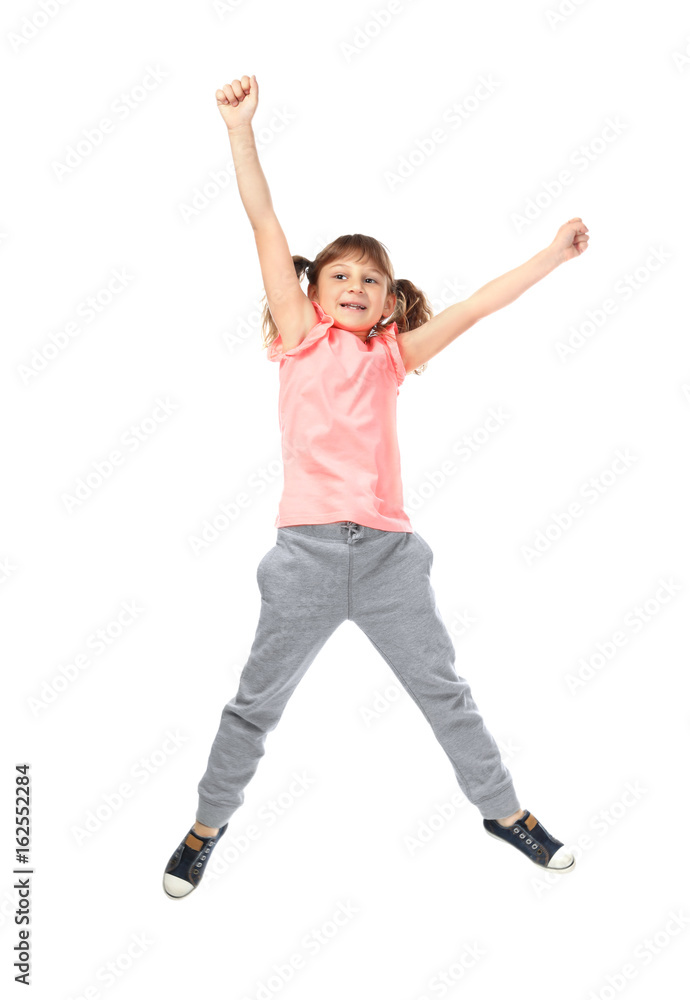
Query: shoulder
x: 390, y: 337
x: 322, y: 323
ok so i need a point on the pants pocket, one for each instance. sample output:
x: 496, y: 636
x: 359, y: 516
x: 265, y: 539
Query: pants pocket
x: 425, y: 546
x: 263, y: 563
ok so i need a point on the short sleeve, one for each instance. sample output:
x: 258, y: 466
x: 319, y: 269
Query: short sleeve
x: 394, y: 352
x: 320, y: 329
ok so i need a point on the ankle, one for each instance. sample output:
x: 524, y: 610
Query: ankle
x: 507, y: 820
x: 204, y: 831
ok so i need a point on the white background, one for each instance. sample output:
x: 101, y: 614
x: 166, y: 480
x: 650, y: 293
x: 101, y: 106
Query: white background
x: 345, y: 101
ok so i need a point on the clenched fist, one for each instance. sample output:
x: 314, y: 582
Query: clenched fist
x: 237, y: 101
x: 571, y: 239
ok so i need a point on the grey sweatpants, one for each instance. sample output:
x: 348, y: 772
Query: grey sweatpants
x: 315, y: 577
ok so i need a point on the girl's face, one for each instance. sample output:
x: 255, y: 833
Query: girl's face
x: 343, y: 283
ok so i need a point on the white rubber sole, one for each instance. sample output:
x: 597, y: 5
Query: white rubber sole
x: 546, y: 868
x: 176, y: 888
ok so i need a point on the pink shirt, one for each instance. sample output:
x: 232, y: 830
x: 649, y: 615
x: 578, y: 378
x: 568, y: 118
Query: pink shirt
x: 337, y: 410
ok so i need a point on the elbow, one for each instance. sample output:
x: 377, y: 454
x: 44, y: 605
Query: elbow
x: 473, y: 309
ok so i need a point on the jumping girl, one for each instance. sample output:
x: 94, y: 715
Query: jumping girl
x: 345, y: 549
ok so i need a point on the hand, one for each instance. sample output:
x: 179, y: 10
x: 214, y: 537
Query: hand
x: 237, y: 101
x: 570, y: 240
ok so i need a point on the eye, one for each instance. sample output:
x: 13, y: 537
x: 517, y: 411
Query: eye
x: 341, y: 275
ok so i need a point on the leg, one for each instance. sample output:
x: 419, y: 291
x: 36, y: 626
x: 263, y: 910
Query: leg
x: 395, y: 607
x: 508, y: 820
x: 303, y: 600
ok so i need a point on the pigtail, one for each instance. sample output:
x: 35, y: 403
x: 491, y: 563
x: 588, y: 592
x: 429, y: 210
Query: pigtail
x: 302, y: 266
x: 411, y: 310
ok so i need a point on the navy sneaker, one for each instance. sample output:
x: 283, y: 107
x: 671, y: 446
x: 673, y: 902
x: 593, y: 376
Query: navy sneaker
x: 530, y: 837
x: 186, y: 867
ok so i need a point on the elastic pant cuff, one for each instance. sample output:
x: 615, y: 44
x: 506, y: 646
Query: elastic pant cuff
x: 209, y: 814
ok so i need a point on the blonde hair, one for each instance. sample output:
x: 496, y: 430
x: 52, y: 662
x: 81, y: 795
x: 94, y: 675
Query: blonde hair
x: 412, y: 307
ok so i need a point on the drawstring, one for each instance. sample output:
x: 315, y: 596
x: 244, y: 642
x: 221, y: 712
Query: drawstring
x: 354, y: 530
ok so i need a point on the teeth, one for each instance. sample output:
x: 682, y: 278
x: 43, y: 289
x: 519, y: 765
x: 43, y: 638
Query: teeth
x: 348, y: 305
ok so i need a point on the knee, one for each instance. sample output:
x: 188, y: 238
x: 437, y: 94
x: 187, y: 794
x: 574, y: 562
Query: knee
x: 251, y: 714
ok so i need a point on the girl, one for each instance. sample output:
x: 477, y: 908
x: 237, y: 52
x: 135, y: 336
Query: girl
x: 345, y: 548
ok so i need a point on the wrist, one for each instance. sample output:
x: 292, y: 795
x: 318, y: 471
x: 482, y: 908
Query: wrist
x: 553, y: 256
x: 245, y: 127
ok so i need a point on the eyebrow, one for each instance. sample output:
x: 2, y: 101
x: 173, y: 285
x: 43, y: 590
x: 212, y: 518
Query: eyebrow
x: 367, y: 268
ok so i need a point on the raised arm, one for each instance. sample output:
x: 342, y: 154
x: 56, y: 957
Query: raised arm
x: 422, y: 343
x: 292, y: 311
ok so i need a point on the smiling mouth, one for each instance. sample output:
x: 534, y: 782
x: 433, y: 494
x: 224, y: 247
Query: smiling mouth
x: 351, y: 305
